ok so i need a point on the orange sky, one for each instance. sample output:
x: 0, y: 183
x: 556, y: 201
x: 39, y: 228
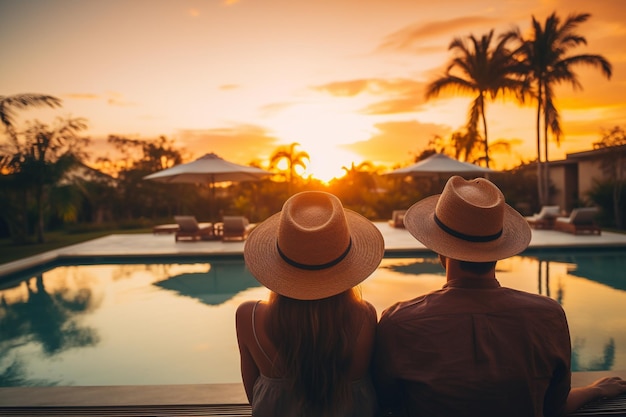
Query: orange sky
x: 344, y: 78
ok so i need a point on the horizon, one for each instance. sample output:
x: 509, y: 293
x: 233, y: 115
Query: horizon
x: 344, y: 79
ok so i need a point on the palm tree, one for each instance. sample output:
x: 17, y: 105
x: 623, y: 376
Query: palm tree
x: 545, y: 56
x: 8, y: 105
x: 294, y: 158
x: 479, y: 70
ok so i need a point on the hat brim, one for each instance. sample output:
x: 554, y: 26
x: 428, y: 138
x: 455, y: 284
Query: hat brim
x: 268, y: 267
x: 516, y: 234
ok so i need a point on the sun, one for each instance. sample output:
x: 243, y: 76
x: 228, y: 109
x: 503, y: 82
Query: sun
x: 327, y: 162
x: 321, y: 128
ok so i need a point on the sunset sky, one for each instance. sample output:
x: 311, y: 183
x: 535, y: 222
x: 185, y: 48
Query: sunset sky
x: 344, y: 78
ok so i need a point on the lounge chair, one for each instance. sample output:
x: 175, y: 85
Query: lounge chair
x: 397, y: 218
x: 234, y: 228
x: 580, y: 220
x: 190, y: 229
x: 545, y: 218
x: 161, y: 229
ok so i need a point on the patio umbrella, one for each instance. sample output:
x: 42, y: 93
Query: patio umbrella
x: 440, y: 167
x: 439, y: 164
x: 208, y: 169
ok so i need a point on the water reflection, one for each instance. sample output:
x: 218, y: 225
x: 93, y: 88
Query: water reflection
x: 220, y: 283
x: 48, y: 318
x: 119, y: 324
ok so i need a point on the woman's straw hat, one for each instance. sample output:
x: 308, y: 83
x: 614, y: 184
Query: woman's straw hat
x: 313, y: 248
x: 469, y: 221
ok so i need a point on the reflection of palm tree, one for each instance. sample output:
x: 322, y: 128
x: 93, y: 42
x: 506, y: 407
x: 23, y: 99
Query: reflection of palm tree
x: 49, y: 319
x: 294, y: 158
x: 604, y: 363
x: 479, y: 70
x: 547, y: 64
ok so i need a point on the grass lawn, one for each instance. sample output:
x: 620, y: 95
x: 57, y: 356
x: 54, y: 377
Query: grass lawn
x: 11, y: 252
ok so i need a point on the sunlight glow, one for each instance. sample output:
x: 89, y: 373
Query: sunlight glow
x: 327, y: 162
x: 320, y: 128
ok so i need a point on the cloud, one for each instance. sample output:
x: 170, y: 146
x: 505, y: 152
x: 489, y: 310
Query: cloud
x: 408, y: 38
x: 271, y: 109
x: 81, y: 96
x: 377, y: 86
x: 408, y: 138
x: 226, y: 87
x: 241, y: 143
x: 118, y: 100
x: 405, y: 95
x: 349, y: 88
x: 111, y: 98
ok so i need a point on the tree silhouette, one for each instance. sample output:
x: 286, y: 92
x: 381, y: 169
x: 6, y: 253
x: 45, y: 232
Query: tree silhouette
x: 9, y: 104
x: 545, y: 56
x: 37, y: 159
x: 613, y: 164
x: 292, y: 157
x: 480, y: 70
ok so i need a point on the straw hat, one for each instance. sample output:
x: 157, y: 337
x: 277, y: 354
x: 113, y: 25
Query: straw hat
x: 313, y: 248
x: 469, y: 221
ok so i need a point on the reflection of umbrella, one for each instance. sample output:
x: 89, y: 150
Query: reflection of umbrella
x: 224, y: 280
x: 427, y: 266
x: 439, y: 164
x: 209, y: 169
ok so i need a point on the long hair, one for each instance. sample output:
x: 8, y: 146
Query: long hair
x: 315, y: 341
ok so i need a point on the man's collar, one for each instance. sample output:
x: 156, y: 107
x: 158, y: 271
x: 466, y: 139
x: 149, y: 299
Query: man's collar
x: 476, y: 283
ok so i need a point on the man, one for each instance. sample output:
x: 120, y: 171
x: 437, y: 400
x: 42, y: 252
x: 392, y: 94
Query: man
x: 475, y: 348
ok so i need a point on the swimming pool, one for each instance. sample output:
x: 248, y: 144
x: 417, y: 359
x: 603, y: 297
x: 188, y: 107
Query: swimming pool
x: 164, y: 323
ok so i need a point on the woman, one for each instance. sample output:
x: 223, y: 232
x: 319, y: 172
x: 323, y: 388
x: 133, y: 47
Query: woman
x: 307, y: 350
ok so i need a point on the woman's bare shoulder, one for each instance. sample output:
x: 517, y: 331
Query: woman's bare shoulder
x: 371, y: 310
x: 244, y: 311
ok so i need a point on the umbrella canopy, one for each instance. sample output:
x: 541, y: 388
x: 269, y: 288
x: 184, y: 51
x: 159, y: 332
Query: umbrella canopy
x: 208, y: 169
x: 439, y: 164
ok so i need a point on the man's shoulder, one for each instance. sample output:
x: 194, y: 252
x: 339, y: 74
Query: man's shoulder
x: 533, y: 300
x: 406, y: 308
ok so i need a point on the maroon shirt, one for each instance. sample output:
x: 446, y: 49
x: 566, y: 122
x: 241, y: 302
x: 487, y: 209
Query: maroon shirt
x: 474, y: 348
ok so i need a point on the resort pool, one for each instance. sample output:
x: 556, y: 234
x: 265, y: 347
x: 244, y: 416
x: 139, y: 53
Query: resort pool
x: 173, y: 323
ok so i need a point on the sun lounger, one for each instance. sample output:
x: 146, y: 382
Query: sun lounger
x: 545, y: 218
x: 234, y: 228
x: 190, y: 229
x: 161, y: 229
x: 397, y: 218
x: 580, y: 220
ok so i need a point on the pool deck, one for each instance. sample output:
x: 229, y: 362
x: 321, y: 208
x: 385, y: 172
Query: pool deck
x: 206, y: 399
x: 397, y: 241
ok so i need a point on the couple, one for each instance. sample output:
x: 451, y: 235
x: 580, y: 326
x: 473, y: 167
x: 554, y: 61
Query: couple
x: 472, y: 348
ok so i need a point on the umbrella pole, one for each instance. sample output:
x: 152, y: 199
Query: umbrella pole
x: 212, y: 203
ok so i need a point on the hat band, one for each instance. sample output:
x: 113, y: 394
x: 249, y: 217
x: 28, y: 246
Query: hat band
x: 469, y: 238
x: 309, y: 267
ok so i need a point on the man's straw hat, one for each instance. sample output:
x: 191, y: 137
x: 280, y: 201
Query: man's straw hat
x: 469, y: 221
x: 313, y: 248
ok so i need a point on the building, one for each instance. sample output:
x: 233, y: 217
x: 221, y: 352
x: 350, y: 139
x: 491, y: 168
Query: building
x: 573, y: 177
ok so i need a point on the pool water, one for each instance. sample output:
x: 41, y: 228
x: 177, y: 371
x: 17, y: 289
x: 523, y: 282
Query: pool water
x: 173, y: 323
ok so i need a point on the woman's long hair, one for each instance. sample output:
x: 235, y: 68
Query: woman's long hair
x: 315, y: 341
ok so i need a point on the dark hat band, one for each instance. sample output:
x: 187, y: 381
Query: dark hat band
x: 469, y: 238
x: 314, y: 267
